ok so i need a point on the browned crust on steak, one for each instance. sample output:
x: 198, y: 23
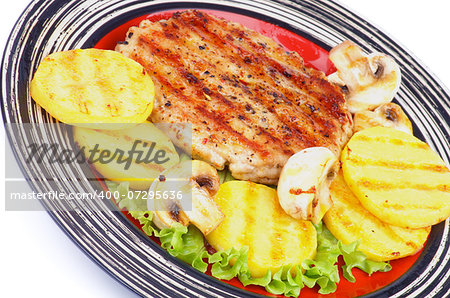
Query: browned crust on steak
x: 252, y: 104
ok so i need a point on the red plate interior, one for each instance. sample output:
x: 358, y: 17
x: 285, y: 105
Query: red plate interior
x: 316, y: 57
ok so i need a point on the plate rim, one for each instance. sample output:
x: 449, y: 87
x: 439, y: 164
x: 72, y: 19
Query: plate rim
x: 4, y: 113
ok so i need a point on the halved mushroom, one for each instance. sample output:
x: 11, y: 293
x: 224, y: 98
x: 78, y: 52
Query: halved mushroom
x: 166, y: 195
x: 303, y: 188
x: 205, y: 214
x: 185, y: 194
x: 387, y: 115
x: 370, y: 80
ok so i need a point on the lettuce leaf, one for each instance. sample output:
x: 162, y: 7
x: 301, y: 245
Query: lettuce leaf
x: 134, y: 203
x: 187, y: 244
x: 225, y: 176
x: 233, y: 263
x: 229, y: 263
x: 182, y: 242
x: 323, y: 270
x: 354, y: 258
x: 288, y: 281
x: 184, y: 156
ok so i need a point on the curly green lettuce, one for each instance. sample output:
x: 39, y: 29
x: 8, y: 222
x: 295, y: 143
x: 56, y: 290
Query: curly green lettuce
x: 323, y: 270
x: 185, y: 243
x: 188, y: 244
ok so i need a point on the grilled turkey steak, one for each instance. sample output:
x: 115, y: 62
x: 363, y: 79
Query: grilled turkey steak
x: 251, y: 104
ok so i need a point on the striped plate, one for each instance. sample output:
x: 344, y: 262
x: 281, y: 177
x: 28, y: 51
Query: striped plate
x: 108, y: 237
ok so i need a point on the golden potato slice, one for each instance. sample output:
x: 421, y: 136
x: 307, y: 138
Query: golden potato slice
x: 397, y: 177
x: 93, y: 86
x: 254, y: 218
x: 349, y: 221
x: 139, y: 169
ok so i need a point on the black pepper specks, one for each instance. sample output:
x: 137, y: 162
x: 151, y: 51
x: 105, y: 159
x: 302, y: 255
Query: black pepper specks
x: 249, y: 108
x: 191, y: 78
x: 206, y: 91
x: 312, y: 108
x: 286, y: 74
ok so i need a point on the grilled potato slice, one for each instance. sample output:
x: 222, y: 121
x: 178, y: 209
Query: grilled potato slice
x: 139, y: 169
x: 93, y: 86
x: 397, y: 177
x: 254, y: 218
x: 349, y: 221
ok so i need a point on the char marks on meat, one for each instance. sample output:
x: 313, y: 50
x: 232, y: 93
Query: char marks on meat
x: 251, y: 104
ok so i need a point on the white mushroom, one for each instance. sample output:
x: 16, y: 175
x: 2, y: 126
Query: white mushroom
x: 387, y: 115
x: 371, y: 80
x: 303, y: 188
x: 168, y: 211
x: 205, y: 214
x: 185, y: 194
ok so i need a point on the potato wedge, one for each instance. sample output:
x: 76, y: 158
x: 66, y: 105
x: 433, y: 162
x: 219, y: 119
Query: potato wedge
x: 254, y: 218
x: 152, y: 161
x: 397, y: 177
x: 349, y: 221
x: 93, y: 86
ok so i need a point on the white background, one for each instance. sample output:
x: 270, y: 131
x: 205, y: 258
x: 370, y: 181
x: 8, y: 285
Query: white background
x: 38, y: 260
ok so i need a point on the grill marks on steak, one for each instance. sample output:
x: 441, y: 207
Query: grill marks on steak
x: 252, y: 104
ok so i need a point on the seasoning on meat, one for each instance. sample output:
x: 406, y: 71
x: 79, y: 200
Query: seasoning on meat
x: 261, y: 104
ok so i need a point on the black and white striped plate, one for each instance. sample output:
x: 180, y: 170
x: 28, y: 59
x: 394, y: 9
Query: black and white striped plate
x: 108, y: 237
